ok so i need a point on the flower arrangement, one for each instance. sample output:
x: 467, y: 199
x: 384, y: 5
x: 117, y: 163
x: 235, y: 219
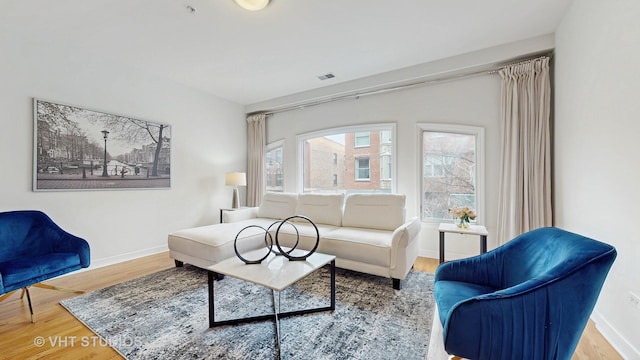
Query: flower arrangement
x: 462, y: 216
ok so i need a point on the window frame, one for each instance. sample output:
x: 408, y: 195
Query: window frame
x: 476, y: 131
x: 301, y: 138
x: 357, y: 168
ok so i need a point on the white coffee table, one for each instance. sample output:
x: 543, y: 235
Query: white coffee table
x: 276, y: 273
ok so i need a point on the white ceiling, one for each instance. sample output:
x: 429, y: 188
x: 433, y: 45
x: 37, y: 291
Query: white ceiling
x: 249, y: 57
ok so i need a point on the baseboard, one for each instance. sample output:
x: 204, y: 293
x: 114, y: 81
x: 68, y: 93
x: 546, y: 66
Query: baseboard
x: 622, y: 346
x: 111, y: 260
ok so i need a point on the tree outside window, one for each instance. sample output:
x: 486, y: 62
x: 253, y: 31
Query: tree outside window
x: 450, y: 166
x: 274, y: 167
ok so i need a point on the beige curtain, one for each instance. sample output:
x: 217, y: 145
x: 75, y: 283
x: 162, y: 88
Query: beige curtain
x: 525, y: 174
x: 256, y: 144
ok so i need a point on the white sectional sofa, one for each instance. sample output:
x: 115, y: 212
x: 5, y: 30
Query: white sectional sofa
x: 366, y: 232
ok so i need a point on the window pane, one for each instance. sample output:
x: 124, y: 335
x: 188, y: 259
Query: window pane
x: 334, y: 163
x: 274, y: 168
x: 449, y: 173
x: 385, y: 137
x: 362, y: 139
x: 362, y: 169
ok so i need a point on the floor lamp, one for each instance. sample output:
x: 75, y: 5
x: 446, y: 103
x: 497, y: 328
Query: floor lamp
x: 236, y: 179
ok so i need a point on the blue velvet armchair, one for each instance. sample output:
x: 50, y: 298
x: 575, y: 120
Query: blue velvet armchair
x: 528, y: 299
x: 33, y: 249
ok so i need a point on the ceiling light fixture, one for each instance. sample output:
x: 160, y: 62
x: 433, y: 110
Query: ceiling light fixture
x: 252, y: 5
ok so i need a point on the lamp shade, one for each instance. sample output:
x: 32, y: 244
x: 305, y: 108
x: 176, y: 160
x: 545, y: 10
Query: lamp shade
x: 252, y: 5
x: 236, y: 179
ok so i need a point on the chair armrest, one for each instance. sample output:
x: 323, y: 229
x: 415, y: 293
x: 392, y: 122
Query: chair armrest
x: 239, y: 214
x: 62, y: 241
x: 71, y: 243
x: 485, y: 269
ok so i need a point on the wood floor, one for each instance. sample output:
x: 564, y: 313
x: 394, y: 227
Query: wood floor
x: 56, y: 334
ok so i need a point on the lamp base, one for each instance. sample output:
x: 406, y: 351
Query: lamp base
x: 235, y: 202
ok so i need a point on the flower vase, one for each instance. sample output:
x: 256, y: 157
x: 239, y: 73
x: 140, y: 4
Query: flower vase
x: 461, y: 223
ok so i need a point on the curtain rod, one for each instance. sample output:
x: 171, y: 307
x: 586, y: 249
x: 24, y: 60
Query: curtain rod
x: 357, y: 95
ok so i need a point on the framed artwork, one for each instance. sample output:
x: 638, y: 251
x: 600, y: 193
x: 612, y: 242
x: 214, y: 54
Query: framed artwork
x: 82, y: 149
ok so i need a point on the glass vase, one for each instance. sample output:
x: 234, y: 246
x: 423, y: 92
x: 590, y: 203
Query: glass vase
x: 461, y: 223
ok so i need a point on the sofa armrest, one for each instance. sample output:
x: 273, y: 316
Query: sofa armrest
x: 240, y: 214
x: 406, y: 233
x: 404, y: 248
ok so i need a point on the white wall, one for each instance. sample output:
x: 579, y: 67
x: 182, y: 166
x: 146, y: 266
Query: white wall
x: 597, y: 104
x: 468, y: 101
x: 208, y: 139
x: 472, y: 101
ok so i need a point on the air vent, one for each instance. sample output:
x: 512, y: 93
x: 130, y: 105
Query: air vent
x: 326, y: 76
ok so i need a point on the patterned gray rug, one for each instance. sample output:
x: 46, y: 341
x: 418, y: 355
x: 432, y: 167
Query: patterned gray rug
x: 165, y: 316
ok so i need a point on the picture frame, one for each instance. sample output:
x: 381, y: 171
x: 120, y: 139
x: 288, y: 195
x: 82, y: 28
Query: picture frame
x: 79, y: 149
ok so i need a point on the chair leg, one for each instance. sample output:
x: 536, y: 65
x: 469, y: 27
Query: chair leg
x: 58, y: 288
x: 26, y: 290
x: 4, y: 296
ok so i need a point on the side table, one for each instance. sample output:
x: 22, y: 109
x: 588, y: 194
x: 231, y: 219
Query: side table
x: 472, y: 230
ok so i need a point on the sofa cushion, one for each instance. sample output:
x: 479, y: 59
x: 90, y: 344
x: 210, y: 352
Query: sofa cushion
x: 374, y: 211
x: 303, y: 232
x: 278, y: 205
x: 321, y: 208
x: 357, y: 244
x: 215, y: 242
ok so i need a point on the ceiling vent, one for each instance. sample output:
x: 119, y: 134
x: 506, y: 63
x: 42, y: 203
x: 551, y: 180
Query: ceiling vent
x: 326, y: 76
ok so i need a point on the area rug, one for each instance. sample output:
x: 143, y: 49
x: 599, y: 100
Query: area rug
x: 165, y: 316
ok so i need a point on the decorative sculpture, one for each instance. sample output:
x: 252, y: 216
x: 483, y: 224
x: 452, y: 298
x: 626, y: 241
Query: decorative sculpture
x: 268, y: 240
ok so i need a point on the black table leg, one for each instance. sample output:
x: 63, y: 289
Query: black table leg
x: 212, y: 312
x: 483, y: 244
x: 276, y: 315
x: 333, y: 285
x: 441, y: 247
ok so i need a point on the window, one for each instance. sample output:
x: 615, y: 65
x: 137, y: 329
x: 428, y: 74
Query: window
x: 386, y: 168
x: 274, y: 166
x: 362, y: 139
x: 385, y: 137
x: 433, y: 170
x: 362, y: 168
x: 349, y: 159
x: 451, y: 169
